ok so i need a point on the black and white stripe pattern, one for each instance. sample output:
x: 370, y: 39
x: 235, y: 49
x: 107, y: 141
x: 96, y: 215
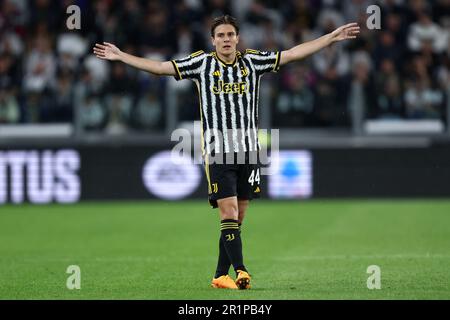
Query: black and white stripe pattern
x: 228, y: 96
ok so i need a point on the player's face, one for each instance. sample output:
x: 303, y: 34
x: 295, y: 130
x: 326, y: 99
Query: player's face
x: 225, y: 39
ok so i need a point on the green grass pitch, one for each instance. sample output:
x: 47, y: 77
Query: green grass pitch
x: 160, y: 250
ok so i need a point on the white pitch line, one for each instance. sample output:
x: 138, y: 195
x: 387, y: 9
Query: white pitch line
x: 374, y: 256
x: 297, y: 258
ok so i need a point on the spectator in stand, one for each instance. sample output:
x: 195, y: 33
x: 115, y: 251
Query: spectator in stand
x: 92, y: 113
x: 9, y: 106
x: 389, y: 102
x: 119, y: 99
x: 61, y: 108
x: 39, y: 70
x: 425, y: 32
x: 156, y: 31
x: 294, y: 104
x: 88, y: 102
x: 422, y: 101
x: 362, y: 75
x: 387, y: 48
x: 147, y: 115
x: 9, y: 73
x: 40, y: 65
x: 422, y: 98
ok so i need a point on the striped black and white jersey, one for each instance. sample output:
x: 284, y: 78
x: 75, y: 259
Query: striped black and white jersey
x: 228, y: 94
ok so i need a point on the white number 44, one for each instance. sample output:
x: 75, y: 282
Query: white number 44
x: 254, y: 177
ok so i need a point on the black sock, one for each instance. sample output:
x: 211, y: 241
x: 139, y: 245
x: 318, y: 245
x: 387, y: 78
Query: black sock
x: 224, y: 263
x: 231, y: 239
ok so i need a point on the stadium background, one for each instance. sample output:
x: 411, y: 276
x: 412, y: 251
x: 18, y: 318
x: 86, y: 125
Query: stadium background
x: 359, y: 121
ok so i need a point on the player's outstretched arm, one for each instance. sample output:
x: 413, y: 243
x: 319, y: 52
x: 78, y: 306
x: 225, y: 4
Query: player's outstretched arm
x: 348, y: 31
x: 108, y: 51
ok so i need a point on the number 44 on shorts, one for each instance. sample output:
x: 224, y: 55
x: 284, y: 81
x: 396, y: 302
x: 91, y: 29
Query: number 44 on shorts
x: 254, y: 177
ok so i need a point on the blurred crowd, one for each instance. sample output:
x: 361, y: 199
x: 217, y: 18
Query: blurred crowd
x: 48, y: 73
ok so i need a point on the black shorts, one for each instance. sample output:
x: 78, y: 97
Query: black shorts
x: 241, y: 180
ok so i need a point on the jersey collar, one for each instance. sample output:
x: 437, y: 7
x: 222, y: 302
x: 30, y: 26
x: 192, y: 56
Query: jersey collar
x: 231, y: 64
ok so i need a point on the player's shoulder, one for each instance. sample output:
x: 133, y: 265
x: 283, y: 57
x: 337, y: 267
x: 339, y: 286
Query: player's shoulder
x: 190, y: 58
x: 256, y: 52
x: 251, y: 51
x: 197, y: 53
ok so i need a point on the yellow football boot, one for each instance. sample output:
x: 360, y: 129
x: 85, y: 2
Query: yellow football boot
x: 243, y: 280
x: 223, y: 282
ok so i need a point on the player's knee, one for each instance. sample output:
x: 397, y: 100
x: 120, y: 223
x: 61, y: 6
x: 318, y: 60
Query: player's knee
x: 229, y: 212
x: 241, y: 216
x: 242, y: 208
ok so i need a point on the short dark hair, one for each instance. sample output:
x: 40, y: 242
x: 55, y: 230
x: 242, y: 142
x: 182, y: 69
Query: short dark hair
x: 226, y: 19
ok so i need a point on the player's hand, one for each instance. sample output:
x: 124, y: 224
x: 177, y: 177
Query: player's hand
x: 107, y: 51
x: 348, y: 31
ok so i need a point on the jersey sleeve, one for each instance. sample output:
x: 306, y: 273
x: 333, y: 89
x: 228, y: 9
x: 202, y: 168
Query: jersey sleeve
x: 190, y: 66
x: 264, y: 61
